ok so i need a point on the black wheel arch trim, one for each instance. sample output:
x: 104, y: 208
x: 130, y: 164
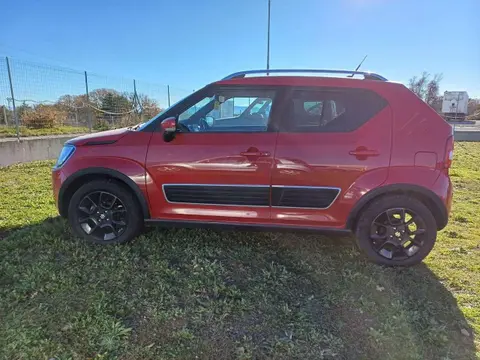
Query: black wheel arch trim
x: 439, y: 212
x: 62, y: 207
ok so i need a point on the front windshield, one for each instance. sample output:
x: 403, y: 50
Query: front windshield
x: 142, y: 126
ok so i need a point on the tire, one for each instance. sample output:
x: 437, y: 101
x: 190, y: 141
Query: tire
x: 119, y: 223
x: 378, y: 224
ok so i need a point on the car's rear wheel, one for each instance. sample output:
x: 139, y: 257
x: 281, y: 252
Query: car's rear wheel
x: 396, y: 230
x: 105, y: 212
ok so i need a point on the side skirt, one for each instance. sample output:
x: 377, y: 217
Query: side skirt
x: 240, y: 226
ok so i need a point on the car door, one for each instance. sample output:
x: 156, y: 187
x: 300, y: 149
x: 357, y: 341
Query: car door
x: 333, y: 145
x: 218, y: 166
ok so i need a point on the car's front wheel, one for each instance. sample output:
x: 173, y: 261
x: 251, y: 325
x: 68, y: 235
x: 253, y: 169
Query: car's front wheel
x: 104, y: 212
x: 396, y: 230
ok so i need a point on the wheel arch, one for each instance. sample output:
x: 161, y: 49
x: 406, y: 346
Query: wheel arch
x: 428, y: 197
x: 80, y: 177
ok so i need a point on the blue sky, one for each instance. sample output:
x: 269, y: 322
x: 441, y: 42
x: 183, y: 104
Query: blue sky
x: 188, y: 43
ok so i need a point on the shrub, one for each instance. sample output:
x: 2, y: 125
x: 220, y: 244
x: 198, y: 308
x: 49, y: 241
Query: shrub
x: 43, y: 116
x: 101, y: 125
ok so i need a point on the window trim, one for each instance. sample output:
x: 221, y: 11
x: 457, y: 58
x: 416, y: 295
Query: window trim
x: 274, y: 118
x: 283, y: 128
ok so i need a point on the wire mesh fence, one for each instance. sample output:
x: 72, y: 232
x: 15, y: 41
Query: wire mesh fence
x: 42, y: 99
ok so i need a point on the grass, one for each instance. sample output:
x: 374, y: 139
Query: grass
x: 58, y: 130
x: 198, y: 294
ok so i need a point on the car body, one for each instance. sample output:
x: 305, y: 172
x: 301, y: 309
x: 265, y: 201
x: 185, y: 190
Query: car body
x: 284, y: 152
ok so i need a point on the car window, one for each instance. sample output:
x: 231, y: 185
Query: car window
x: 260, y: 106
x: 229, y: 111
x: 331, y: 110
x: 313, y: 107
x: 194, y: 108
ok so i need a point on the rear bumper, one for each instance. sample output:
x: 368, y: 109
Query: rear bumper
x: 443, y: 188
x: 448, y: 202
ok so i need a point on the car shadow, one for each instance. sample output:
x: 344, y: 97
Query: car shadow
x: 383, y: 310
x: 373, y: 310
x: 368, y: 311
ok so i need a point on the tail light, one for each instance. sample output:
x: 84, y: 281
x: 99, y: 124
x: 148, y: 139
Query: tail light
x: 447, y: 161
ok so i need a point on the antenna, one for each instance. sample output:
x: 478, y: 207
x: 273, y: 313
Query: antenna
x: 358, y: 67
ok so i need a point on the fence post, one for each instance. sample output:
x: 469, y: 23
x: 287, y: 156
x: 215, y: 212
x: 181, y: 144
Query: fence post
x: 5, y: 115
x: 89, y: 110
x: 13, y: 98
x: 168, y: 92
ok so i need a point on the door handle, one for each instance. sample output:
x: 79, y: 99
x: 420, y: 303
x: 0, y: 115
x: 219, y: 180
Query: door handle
x: 363, y: 152
x: 255, y: 153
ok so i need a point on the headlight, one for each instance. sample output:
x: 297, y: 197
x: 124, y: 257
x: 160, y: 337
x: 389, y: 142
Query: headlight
x: 65, y: 154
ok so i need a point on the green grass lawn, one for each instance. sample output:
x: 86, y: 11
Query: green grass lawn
x: 198, y: 294
x: 58, y: 130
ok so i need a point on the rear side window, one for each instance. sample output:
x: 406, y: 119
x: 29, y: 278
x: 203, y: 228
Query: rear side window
x: 330, y: 110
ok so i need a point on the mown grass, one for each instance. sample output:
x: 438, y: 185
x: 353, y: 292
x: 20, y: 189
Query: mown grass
x: 58, y: 130
x: 198, y: 294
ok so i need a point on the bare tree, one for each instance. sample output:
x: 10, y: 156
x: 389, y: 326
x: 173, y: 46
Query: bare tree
x: 425, y: 87
x: 150, y: 106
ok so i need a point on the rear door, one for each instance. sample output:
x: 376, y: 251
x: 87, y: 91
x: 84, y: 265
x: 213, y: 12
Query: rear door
x: 330, y: 141
x: 218, y: 167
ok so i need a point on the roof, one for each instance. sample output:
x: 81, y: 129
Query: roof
x: 303, y: 81
x: 366, y: 74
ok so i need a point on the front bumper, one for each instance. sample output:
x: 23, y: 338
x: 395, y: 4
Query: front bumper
x: 57, y: 181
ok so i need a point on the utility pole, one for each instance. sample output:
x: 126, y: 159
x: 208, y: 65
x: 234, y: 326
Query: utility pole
x: 268, y: 37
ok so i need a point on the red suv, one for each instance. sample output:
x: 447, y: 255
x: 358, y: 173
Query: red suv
x: 288, y: 152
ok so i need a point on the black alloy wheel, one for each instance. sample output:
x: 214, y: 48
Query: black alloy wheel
x: 397, y: 233
x: 105, y: 212
x: 396, y: 230
x: 102, y: 215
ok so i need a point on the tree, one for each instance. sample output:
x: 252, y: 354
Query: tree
x: 473, y: 106
x: 437, y: 104
x: 425, y: 87
x: 150, y: 106
x: 76, y: 108
x: 474, y: 109
x: 114, y: 102
x: 4, y: 112
x: 21, y: 109
x: 96, y: 96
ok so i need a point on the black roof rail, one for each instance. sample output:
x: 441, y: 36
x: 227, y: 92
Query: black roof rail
x: 367, y: 75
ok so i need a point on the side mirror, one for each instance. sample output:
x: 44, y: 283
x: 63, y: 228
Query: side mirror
x: 169, y: 127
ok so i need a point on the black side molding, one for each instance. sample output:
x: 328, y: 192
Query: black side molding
x: 218, y: 194
x: 99, y: 142
x: 308, y: 197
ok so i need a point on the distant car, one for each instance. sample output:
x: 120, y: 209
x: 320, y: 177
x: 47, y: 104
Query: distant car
x: 365, y: 156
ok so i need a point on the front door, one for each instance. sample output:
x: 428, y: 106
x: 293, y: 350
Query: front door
x: 218, y: 166
x: 333, y: 146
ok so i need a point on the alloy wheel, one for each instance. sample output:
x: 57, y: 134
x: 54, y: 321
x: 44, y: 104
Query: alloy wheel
x: 102, y: 215
x: 397, y: 234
